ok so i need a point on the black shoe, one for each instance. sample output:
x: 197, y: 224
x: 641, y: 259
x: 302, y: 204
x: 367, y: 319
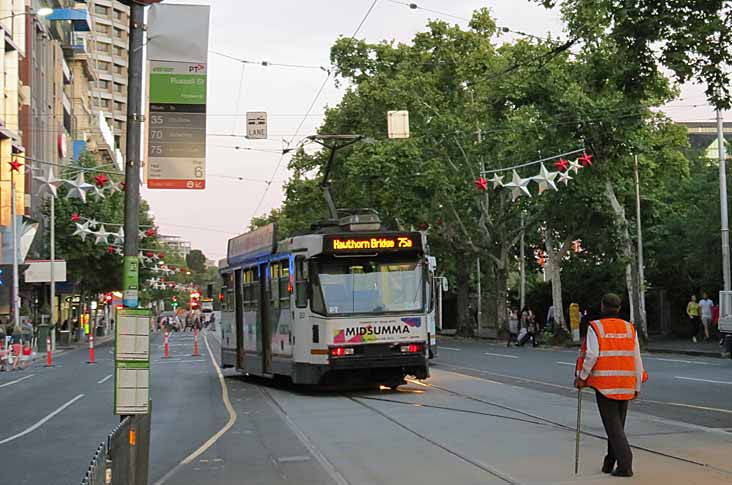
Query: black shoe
x: 622, y: 473
x: 608, y: 465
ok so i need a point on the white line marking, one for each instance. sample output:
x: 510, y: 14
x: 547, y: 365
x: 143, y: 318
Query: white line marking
x: 681, y: 361
x: 703, y: 380
x: 40, y: 423
x: 105, y: 379
x: 502, y: 355
x: 213, y: 439
x: 440, y: 347
x: 565, y: 363
x: 17, y: 380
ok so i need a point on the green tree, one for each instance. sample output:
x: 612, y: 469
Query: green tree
x: 196, y: 261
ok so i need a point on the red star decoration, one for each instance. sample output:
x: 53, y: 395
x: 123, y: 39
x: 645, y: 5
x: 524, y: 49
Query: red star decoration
x: 423, y: 226
x: 15, y: 165
x: 562, y: 165
x: 149, y: 254
x: 110, y: 249
x: 172, y: 267
x: 585, y: 160
x: 101, y: 180
x: 481, y: 184
x: 162, y: 256
x: 150, y: 232
x: 124, y: 186
x: 75, y: 217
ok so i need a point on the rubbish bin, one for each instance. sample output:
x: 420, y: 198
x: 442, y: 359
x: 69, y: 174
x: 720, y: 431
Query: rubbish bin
x: 100, y: 331
x: 64, y: 338
x: 727, y: 352
x: 44, y: 330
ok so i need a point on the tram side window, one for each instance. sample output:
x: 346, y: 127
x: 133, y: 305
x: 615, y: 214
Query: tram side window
x: 284, y: 285
x: 274, y: 284
x: 247, y: 285
x: 229, y: 292
x: 301, y: 283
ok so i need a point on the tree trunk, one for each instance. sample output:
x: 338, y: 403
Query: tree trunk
x: 631, y: 269
x: 500, y: 269
x: 464, y: 324
x: 553, y: 269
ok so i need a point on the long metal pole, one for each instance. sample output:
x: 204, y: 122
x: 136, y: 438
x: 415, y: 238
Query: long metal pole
x: 53, y: 259
x: 14, y: 229
x: 723, y: 202
x: 641, y: 269
x: 132, y: 168
x: 522, y: 267
x: 577, y: 435
x: 480, y: 294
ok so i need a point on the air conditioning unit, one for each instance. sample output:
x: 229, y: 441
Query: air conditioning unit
x: 25, y: 95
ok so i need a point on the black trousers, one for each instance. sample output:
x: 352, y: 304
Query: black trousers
x: 613, y: 414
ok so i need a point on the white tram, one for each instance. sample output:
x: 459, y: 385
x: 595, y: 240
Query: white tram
x: 340, y: 306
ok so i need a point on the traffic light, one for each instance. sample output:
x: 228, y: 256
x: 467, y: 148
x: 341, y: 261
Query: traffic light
x: 195, y: 295
x: 108, y: 298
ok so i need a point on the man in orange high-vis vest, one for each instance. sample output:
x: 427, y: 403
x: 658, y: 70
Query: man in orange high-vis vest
x: 610, y: 362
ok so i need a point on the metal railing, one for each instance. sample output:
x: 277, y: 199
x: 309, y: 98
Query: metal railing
x: 121, y: 458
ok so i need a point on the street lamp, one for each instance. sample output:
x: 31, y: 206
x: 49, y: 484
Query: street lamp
x: 41, y: 12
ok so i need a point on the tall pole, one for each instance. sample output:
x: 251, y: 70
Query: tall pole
x: 53, y: 259
x: 131, y: 280
x: 522, y: 267
x: 641, y: 269
x: 480, y: 303
x: 723, y: 202
x: 14, y: 229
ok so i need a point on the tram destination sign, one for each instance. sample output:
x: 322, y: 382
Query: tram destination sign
x: 371, y: 243
x: 252, y: 244
x: 176, y: 128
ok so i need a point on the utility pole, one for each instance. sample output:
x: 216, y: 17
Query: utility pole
x: 522, y: 266
x: 480, y: 303
x: 723, y: 202
x: 131, y: 280
x: 14, y: 229
x: 53, y: 259
x: 641, y: 269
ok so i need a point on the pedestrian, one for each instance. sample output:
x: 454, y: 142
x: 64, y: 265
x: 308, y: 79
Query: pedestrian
x: 550, y: 319
x: 15, y: 352
x: 3, y: 355
x: 705, y: 309
x: 610, y: 363
x: 513, y: 328
x: 26, y: 355
x: 692, y: 311
x: 528, y: 327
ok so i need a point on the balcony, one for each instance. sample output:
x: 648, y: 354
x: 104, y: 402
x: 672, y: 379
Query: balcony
x: 79, y: 17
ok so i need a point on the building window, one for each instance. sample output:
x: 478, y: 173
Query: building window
x: 104, y: 103
x: 102, y: 47
x: 103, y: 65
x: 117, y: 14
x: 119, y: 69
x: 100, y: 10
x: 102, y: 84
x: 118, y: 88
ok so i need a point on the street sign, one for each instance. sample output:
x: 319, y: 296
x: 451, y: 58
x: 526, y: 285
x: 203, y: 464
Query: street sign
x: 398, y: 124
x: 132, y: 361
x: 176, y: 129
x: 256, y: 125
x: 133, y: 335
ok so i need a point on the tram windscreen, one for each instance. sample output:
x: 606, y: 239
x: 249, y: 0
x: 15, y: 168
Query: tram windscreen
x: 370, y: 286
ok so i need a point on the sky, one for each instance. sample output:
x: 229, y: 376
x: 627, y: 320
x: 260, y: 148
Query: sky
x: 300, y: 32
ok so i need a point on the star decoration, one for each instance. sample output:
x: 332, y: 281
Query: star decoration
x: 78, y: 188
x: 48, y: 184
x: 118, y: 251
x: 575, y: 165
x: 124, y: 186
x: 111, y: 250
x: 562, y: 165
x: 518, y: 186
x: 101, y: 180
x: 150, y: 232
x: 101, y: 235
x: 75, y: 217
x: 565, y: 178
x: 545, y: 179
x: 119, y: 236
x: 113, y: 187
x: 93, y: 222
x: 161, y: 255
x: 481, y: 184
x: 15, y: 165
x: 585, y: 159
x: 149, y: 254
x: 82, y: 230
x: 96, y: 192
x: 497, y: 181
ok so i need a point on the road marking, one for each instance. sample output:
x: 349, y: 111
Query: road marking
x: 213, y: 439
x: 440, y: 347
x: 565, y: 363
x: 17, y: 380
x: 681, y: 361
x: 691, y: 406
x: 105, y: 379
x: 41, y: 422
x: 501, y: 355
x: 703, y: 380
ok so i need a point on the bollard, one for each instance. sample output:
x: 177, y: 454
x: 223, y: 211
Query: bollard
x: 91, y: 349
x: 166, y: 345
x: 195, y: 343
x: 49, y: 358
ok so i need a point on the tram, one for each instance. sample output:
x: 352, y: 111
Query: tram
x: 348, y: 303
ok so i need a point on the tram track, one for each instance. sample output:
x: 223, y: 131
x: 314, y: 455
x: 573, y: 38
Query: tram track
x: 572, y: 429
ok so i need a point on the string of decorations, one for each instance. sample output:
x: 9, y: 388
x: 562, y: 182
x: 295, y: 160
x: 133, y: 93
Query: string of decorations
x: 545, y: 179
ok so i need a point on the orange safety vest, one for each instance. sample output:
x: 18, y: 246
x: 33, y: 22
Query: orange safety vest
x: 614, y: 373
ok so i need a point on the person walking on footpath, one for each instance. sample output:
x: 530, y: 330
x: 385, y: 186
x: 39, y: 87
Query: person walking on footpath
x: 705, y: 309
x: 513, y: 327
x: 692, y: 311
x: 610, y: 363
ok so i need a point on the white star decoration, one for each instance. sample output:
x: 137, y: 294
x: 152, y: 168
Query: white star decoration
x: 114, y: 187
x: 497, y: 181
x: 564, y: 178
x: 78, y: 188
x: 574, y: 165
x: 96, y: 192
x: 545, y: 179
x: 48, y: 184
x: 119, y: 236
x: 82, y: 230
x: 101, y: 235
x: 518, y: 186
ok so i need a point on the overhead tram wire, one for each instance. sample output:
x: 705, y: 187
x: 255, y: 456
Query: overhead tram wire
x: 270, y: 64
x: 310, y: 108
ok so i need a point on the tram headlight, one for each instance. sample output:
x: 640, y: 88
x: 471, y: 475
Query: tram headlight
x: 411, y: 348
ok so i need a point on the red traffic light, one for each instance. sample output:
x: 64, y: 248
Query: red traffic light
x: 108, y: 298
x: 194, y: 305
x: 195, y: 295
x: 221, y: 296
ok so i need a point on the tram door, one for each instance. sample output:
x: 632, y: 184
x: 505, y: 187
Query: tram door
x: 239, y: 319
x: 266, y: 319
